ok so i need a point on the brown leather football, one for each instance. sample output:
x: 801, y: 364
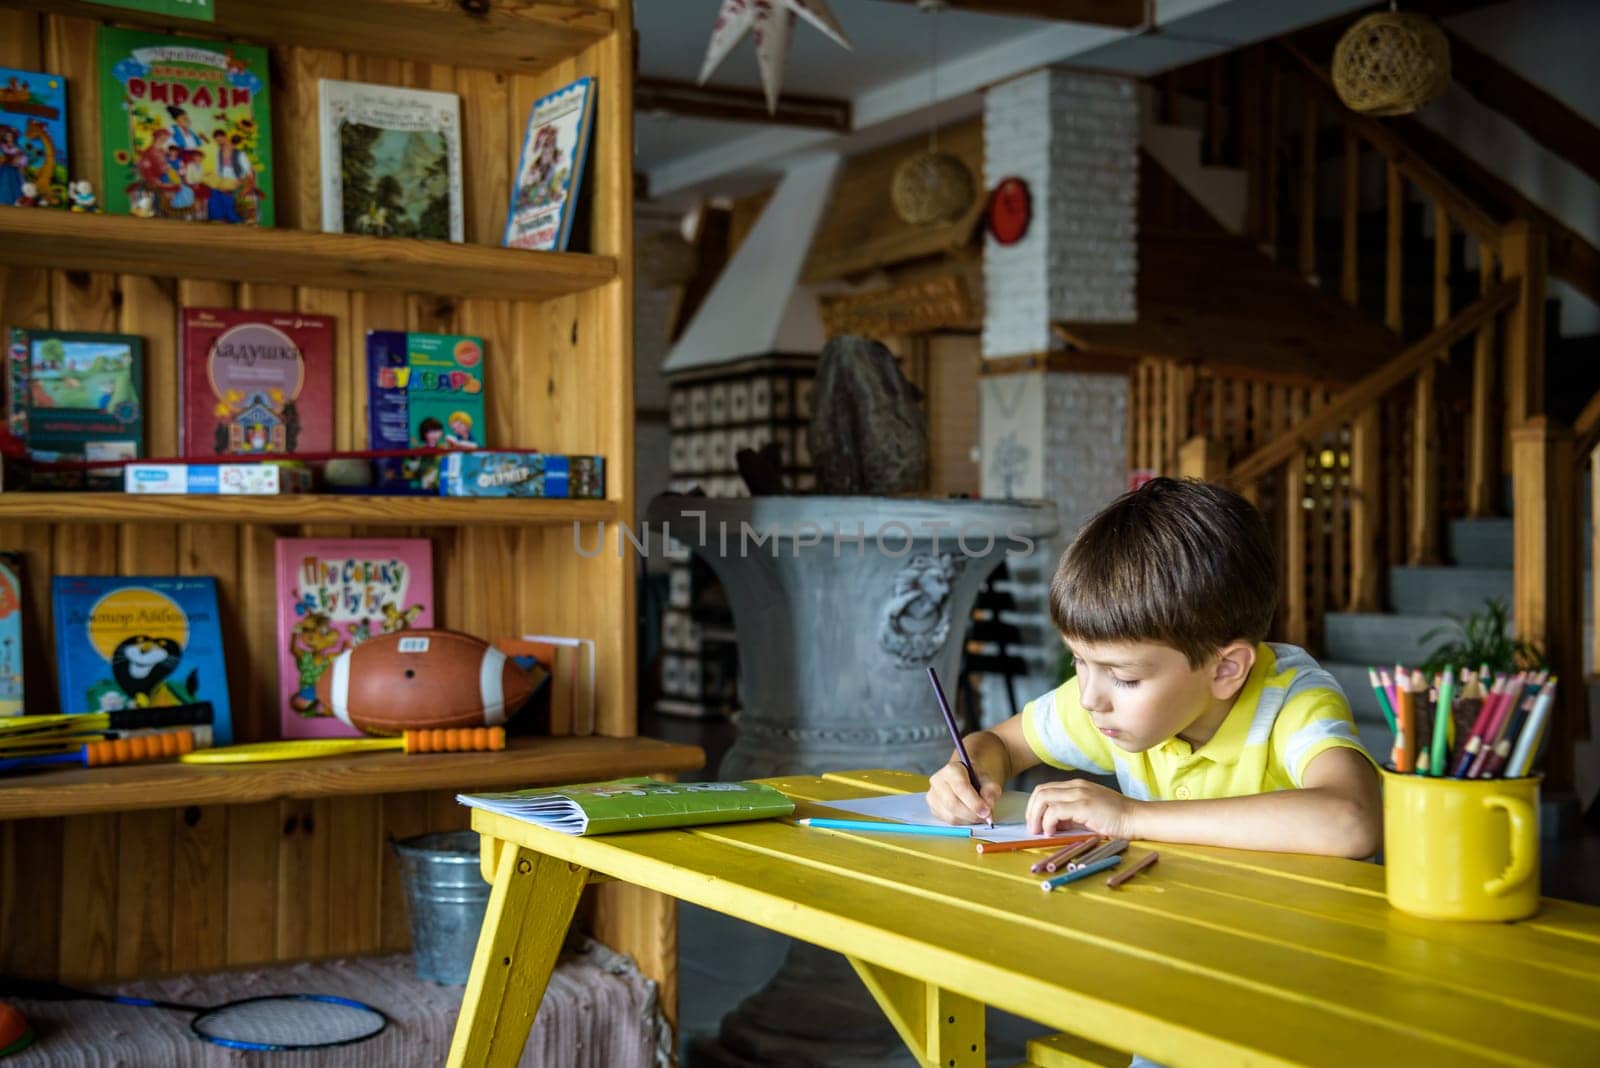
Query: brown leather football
x: 412, y: 680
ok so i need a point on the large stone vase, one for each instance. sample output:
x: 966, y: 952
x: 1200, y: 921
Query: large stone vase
x: 839, y: 604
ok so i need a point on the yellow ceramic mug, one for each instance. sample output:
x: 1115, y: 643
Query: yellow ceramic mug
x: 1461, y: 849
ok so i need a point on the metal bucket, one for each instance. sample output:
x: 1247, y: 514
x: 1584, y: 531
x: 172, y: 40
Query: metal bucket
x: 445, y: 899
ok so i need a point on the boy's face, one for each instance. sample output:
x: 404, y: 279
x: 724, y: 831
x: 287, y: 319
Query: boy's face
x: 1140, y: 694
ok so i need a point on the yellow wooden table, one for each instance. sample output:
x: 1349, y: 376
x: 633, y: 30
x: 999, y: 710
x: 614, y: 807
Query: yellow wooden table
x: 1211, y: 957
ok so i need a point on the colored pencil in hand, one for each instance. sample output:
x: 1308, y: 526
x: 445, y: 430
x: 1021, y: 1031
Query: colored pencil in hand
x: 955, y: 734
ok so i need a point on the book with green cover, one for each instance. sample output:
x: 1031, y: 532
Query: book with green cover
x: 634, y: 805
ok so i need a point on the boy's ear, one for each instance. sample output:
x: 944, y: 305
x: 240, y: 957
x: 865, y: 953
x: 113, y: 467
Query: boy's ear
x: 1232, y: 669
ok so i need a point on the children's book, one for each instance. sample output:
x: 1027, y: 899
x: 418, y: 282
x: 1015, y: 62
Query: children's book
x: 423, y: 390
x: 391, y: 161
x: 334, y: 594
x: 185, y: 128
x: 77, y: 396
x: 575, y: 664
x: 1010, y: 815
x: 33, y: 139
x: 10, y: 634
x: 554, y: 150
x: 635, y: 805
x: 255, y: 382
x: 140, y: 642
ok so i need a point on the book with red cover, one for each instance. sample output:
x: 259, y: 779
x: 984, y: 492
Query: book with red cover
x: 255, y: 383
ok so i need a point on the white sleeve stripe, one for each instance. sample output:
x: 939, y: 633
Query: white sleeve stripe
x: 1309, y: 736
x: 1050, y: 730
x: 1129, y: 783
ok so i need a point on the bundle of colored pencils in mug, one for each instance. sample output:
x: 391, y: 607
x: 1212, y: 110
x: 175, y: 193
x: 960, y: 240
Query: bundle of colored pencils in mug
x: 1466, y: 726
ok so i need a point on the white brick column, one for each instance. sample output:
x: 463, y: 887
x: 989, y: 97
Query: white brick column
x: 1057, y: 434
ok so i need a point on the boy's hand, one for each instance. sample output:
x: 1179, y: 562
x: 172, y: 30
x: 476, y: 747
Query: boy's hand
x: 952, y: 799
x: 1077, y: 803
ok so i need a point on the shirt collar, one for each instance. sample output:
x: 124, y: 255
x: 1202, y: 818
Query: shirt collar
x: 1225, y: 746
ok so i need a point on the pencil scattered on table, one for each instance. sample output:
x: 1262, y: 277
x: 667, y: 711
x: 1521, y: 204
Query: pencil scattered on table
x: 1036, y: 843
x: 1466, y: 725
x: 1075, y: 874
x: 1127, y: 873
x: 1058, y: 860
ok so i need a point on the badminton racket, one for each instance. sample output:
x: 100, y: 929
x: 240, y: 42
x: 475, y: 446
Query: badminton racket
x: 449, y: 740
x: 268, y: 1024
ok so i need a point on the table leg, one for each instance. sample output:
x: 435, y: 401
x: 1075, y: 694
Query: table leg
x: 532, y: 903
x: 940, y: 1027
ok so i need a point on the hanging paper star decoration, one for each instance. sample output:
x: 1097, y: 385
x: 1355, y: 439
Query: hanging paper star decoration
x: 769, y: 22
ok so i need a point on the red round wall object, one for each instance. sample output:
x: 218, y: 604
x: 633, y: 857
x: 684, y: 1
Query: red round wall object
x: 410, y: 680
x: 1010, y: 210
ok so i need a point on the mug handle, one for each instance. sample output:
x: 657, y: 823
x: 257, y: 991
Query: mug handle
x: 1522, y: 858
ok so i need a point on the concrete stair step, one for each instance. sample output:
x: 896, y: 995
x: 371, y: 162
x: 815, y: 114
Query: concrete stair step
x: 1378, y: 637
x: 1480, y: 542
x: 1449, y: 591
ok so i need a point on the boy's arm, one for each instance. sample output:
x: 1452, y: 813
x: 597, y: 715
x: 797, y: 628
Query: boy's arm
x: 1337, y: 812
x: 996, y: 755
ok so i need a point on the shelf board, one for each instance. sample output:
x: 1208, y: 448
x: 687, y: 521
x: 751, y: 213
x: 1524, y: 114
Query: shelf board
x: 85, y: 507
x: 529, y: 762
x: 511, y: 35
x: 47, y: 237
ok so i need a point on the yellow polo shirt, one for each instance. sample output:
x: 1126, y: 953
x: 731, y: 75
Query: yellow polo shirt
x: 1289, y: 711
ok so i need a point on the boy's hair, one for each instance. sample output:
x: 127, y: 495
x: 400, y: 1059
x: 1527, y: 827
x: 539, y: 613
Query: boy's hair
x: 1184, y: 563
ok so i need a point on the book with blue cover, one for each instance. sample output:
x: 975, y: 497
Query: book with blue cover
x: 544, y: 197
x: 140, y: 642
x: 33, y: 139
x: 423, y: 391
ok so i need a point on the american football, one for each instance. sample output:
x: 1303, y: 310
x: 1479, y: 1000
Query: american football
x: 423, y: 680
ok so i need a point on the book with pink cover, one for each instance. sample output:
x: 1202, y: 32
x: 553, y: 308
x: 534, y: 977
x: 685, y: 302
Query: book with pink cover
x: 333, y: 594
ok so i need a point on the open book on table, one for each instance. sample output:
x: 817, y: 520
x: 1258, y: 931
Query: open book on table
x: 638, y: 804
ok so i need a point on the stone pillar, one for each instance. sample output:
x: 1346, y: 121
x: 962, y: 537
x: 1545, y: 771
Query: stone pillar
x: 1047, y: 430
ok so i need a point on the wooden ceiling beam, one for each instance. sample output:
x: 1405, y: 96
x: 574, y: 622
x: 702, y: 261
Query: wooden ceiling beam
x: 739, y: 105
x: 1124, y: 14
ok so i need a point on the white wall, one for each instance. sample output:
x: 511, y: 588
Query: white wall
x: 1552, y: 44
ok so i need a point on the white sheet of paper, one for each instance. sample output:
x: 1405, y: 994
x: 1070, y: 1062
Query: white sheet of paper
x: 1010, y: 817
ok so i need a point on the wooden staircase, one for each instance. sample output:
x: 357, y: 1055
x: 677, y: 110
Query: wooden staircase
x: 1378, y: 438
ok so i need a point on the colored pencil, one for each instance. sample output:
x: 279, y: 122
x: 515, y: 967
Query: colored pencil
x: 1383, y: 697
x: 1035, y: 843
x: 1527, y: 744
x: 955, y: 733
x: 1469, y: 748
x: 1500, y: 755
x: 1080, y: 873
x: 1440, y: 753
x: 1105, y: 849
x: 1127, y: 873
x: 1496, y: 726
x: 1057, y: 860
x: 886, y: 827
x: 1405, y: 730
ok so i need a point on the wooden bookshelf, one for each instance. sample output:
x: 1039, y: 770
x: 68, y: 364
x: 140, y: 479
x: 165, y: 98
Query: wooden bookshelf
x: 527, y: 762
x: 298, y: 508
x: 125, y: 245
x: 526, y: 36
x: 157, y: 869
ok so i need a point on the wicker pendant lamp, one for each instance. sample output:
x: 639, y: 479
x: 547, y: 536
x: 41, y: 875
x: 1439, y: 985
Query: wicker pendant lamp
x: 1391, y: 63
x: 932, y: 186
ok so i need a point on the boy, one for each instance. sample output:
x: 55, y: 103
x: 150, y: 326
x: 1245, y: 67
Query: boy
x: 1215, y: 737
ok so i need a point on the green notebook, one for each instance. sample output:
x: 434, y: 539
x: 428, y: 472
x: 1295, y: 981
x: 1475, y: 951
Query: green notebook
x: 634, y: 805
